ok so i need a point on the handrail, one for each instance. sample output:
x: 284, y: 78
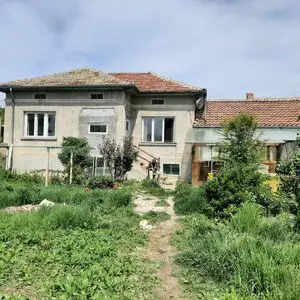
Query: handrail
x: 145, y: 152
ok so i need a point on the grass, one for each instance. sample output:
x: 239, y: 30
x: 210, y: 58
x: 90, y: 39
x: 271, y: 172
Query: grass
x: 162, y: 202
x: 82, y: 248
x: 155, y: 217
x: 249, y: 257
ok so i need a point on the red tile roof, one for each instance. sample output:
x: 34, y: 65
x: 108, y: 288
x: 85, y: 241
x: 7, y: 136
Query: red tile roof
x: 151, y: 83
x: 269, y: 112
x: 85, y: 77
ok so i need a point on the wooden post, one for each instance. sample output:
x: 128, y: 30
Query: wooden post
x: 71, y: 167
x: 47, y: 170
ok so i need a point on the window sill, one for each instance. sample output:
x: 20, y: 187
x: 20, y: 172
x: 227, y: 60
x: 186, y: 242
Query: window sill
x: 158, y: 144
x: 38, y: 138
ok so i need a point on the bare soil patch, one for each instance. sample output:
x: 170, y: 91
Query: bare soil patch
x: 159, y: 249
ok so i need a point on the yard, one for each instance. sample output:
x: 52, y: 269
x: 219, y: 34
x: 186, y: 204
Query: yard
x: 85, y: 247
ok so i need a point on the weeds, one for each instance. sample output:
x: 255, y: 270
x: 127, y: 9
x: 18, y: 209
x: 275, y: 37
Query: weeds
x: 257, y: 257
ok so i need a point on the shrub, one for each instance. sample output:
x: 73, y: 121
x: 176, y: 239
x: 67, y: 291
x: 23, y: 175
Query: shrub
x: 150, y: 184
x: 189, y: 200
x: 101, y: 182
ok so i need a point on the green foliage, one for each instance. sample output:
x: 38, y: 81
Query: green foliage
x: 84, y: 249
x: 118, y: 158
x: 101, y: 182
x: 257, y: 257
x: 156, y: 216
x: 289, y: 172
x: 150, y: 184
x: 190, y: 200
x: 240, y: 145
x: 81, y: 157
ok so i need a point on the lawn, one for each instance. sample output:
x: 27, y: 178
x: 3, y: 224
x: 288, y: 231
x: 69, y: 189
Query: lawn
x: 85, y: 247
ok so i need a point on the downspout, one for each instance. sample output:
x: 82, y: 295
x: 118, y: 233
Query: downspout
x: 12, y: 127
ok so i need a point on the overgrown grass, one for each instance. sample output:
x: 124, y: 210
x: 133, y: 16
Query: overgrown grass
x: 82, y: 248
x: 249, y: 257
x: 156, y: 216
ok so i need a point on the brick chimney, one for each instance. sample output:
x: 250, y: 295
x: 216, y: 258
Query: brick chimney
x: 249, y: 96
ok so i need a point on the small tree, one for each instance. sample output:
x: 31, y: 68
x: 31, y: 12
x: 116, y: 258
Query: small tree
x: 81, y: 157
x: 239, y: 179
x: 118, y: 159
x: 240, y: 146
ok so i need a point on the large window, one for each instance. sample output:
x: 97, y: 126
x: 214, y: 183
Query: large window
x: 171, y: 169
x: 39, y: 124
x: 158, y: 130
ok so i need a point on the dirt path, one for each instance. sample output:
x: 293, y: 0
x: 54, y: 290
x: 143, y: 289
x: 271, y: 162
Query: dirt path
x: 159, y: 248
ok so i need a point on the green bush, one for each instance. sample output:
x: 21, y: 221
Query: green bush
x: 150, y: 184
x: 189, y: 200
x: 101, y: 182
x: 258, y: 257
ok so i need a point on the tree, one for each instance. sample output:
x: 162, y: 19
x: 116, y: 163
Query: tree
x: 239, y: 179
x: 119, y: 159
x: 240, y: 146
x: 81, y: 157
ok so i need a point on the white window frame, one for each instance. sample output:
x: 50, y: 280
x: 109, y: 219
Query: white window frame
x: 172, y: 164
x: 46, y: 124
x: 152, y: 129
x: 163, y: 100
x: 97, y: 124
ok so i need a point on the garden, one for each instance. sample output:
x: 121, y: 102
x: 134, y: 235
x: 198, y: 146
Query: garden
x: 238, y: 239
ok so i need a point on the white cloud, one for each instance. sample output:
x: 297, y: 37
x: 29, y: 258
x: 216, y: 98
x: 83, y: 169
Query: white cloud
x: 229, y: 47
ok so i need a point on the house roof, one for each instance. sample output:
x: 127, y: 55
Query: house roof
x: 85, y: 77
x: 75, y: 78
x: 269, y: 112
x: 150, y: 83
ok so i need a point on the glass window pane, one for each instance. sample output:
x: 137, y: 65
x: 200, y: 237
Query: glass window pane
x: 166, y: 169
x: 30, y: 124
x: 40, y: 124
x: 147, y: 129
x: 98, y: 128
x: 100, y: 162
x: 158, y: 123
x: 169, y: 125
x: 175, y: 169
x: 51, y: 124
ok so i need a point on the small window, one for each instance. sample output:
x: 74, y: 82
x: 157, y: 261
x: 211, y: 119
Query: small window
x: 40, y: 96
x: 98, y: 128
x: 127, y: 127
x: 158, y: 101
x: 97, y: 96
x: 171, y: 169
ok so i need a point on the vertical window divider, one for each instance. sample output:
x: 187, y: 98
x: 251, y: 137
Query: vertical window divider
x: 46, y: 124
x: 152, y: 130
x: 163, y: 130
x: 36, y: 124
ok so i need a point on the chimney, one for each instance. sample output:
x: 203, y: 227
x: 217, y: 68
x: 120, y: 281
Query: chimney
x: 249, y: 96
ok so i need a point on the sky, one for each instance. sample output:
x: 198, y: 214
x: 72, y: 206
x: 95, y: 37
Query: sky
x: 229, y: 47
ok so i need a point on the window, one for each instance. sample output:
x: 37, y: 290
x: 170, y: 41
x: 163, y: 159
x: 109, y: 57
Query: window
x: 97, y: 96
x: 98, y: 128
x: 40, y: 96
x: 127, y: 127
x: 39, y: 124
x: 158, y: 101
x: 171, y: 169
x: 99, y: 167
x: 158, y: 130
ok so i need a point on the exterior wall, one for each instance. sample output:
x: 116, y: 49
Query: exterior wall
x: 182, y: 109
x: 31, y: 153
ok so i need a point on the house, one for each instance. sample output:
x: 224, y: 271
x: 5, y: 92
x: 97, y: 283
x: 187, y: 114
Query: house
x: 279, y: 124
x: 156, y: 111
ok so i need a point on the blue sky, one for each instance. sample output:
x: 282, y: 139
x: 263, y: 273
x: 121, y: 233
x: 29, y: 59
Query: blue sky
x: 228, y: 47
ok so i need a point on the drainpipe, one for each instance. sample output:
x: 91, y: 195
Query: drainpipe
x: 12, y: 126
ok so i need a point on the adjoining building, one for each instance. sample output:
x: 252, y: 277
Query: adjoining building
x: 279, y: 124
